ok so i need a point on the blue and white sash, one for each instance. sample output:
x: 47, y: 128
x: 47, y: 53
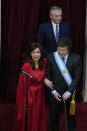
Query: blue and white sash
x: 63, y: 68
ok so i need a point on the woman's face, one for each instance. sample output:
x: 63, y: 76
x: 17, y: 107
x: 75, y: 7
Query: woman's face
x: 36, y: 54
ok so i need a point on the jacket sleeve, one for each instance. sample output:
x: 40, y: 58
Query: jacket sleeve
x: 77, y: 70
x: 48, y: 68
x: 41, y: 38
x: 68, y: 32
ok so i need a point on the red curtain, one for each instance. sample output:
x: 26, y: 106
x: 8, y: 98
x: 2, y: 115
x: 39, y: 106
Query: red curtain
x: 20, y: 20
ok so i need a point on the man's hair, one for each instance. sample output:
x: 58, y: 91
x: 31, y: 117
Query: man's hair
x: 54, y: 8
x: 64, y: 41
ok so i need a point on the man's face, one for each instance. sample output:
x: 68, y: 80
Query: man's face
x: 62, y: 51
x: 56, y: 16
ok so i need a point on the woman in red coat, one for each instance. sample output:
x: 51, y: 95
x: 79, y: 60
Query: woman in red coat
x: 36, y: 117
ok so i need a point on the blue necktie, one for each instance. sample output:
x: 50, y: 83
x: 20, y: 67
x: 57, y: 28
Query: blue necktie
x: 57, y: 33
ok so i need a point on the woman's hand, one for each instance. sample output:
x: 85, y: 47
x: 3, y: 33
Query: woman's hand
x: 48, y: 83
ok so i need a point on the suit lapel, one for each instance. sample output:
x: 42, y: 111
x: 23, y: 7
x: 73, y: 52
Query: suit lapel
x: 68, y: 63
x: 60, y: 29
x: 51, y: 31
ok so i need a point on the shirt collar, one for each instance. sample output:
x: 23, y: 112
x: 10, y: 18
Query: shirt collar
x: 54, y: 25
x: 66, y: 56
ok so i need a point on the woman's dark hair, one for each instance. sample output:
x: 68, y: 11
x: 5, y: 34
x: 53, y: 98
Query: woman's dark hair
x: 28, y: 57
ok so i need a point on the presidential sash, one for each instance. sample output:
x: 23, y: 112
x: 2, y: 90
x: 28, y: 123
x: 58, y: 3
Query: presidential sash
x: 63, y: 69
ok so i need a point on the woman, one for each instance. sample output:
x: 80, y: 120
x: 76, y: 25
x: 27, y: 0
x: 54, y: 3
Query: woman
x: 35, y: 66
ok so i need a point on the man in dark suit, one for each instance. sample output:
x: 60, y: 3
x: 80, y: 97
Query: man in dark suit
x: 62, y: 78
x: 51, y: 31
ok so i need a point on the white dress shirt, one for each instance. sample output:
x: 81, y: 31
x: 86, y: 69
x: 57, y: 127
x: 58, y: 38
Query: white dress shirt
x: 65, y: 58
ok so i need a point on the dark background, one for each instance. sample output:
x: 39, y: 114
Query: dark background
x: 20, y: 20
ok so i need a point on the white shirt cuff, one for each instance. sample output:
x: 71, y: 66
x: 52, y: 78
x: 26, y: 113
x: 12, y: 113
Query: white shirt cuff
x: 53, y: 92
x: 68, y: 92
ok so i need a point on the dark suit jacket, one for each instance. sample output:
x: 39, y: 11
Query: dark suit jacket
x: 53, y: 73
x: 46, y: 35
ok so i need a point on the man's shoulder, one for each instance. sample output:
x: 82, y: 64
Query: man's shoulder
x: 63, y: 23
x: 50, y: 56
x: 45, y: 23
x: 75, y: 56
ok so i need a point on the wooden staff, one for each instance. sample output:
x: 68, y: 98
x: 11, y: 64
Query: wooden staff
x: 65, y: 115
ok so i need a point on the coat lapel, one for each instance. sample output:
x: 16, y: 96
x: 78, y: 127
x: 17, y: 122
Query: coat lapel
x: 51, y: 31
x: 68, y: 63
x: 60, y: 29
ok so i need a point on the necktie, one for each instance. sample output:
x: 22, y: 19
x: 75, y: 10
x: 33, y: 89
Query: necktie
x: 57, y: 33
x: 63, y: 59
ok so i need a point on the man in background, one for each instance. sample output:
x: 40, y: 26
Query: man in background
x: 50, y: 32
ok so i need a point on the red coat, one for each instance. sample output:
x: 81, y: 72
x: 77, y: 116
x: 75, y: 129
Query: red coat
x: 36, y: 104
